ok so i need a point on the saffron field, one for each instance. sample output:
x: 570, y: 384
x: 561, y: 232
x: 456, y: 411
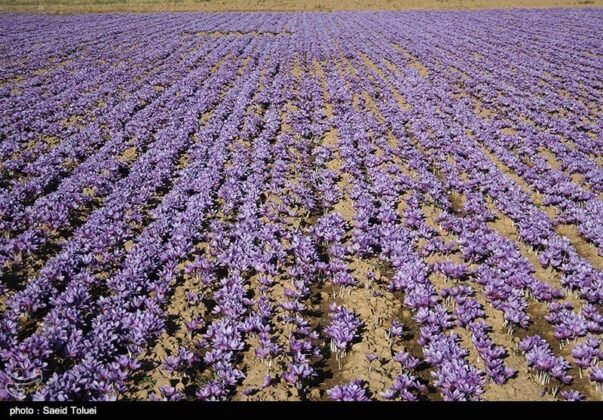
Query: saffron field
x: 302, y: 206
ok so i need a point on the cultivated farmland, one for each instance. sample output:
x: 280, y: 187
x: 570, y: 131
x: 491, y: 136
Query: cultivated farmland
x: 302, y: 206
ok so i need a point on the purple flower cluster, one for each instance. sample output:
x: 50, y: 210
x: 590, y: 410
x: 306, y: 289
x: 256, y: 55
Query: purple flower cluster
x: 352, y: 391
x: 587, y: 354
x: 543, y: 363
x: 405, y: 387
x: 343, y: 329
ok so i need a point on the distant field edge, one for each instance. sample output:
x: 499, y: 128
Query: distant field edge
x: 108, y: 6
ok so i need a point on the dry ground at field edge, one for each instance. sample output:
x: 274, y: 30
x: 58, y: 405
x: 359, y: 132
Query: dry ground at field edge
x: 75, y: 6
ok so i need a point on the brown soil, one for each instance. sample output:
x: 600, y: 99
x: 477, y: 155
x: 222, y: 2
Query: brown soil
x: 87, y: 6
